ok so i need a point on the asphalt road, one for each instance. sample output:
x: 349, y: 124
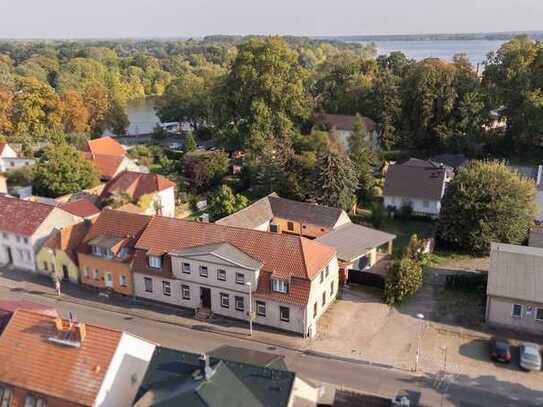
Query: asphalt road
x: 319, y: 370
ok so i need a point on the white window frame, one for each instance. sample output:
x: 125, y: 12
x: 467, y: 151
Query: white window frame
x: 280, y: 286
x: 327, y: 270
x: 221, y: 272
x: 513, y: 311
x: 225, y: 300
x: 123, y: 281
x: 186, y: 268
x: 123, y: 252
x: 166, y: 288
x: 322, y: 276
x: 242, y: 280
x: 185, y: 292
x: 96, y: 274
x: 323, y: 298
x: 332, y: 288
x: 148, y: 288
x: 204, y: 271
x: 237, y: 301
x: 281, y: 309
x: 5, y: 396
x: 154, y: 262
x: 261, y: 308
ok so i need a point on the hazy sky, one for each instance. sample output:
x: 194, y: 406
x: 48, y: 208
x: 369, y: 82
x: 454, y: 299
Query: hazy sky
x: 159, y: 18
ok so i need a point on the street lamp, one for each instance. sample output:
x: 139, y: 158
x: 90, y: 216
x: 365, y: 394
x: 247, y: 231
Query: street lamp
x: 54, y: 274
x: 248, y: 283
x: 421, y: 318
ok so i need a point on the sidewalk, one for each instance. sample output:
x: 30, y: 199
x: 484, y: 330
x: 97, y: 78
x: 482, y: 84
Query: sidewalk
x: 22, y: 281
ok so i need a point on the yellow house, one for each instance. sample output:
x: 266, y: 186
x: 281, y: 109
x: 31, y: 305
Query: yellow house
x: 59, y: 252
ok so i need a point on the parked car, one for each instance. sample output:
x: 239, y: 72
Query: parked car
x: 500, y: 349
x: 530, y: 356
x: 175, y: 146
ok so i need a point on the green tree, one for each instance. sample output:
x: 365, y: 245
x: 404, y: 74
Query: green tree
x: 190, y: 143
x: 218, y: 164
x: 336, y: 180
x: 486, y: 202
x: 61, y: 170
x: 363, y: 157
x: 264, y: 94
x: 224, y: 202
x: 402, y: 280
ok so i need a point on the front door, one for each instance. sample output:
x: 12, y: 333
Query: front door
x: 10, y: 256
x: 205, y: 297
x: 108, y: 280
x: 65, y: 275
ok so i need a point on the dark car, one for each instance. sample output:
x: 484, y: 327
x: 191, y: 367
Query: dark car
x: 500, y: 350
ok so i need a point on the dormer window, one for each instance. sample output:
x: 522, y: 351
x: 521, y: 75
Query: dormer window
x: 155, y: 262
x: 123, y: 252
x: 101, y: 251
x: 280, y: 286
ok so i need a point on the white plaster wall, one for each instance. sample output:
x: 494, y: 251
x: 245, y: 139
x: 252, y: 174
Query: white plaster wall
x: 166, y: 199
x: 433, y: 208
x: 22, y: 253
x: 8, y: 164
x: 125, y: 372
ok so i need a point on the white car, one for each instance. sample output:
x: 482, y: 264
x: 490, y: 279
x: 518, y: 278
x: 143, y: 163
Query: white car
x: 530, y: 356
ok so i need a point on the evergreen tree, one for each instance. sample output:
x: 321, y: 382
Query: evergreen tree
x: 336, y: 180
x: 224, y: 202
x: 190, y: 143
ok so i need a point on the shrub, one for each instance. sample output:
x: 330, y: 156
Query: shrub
x: 402, y: 280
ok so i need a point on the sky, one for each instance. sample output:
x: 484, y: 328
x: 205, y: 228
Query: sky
x: 196, y: 18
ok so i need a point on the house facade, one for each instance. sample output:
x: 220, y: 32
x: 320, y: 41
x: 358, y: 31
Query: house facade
x: 292, y: 280
x: 418, y: 184
x: 515, y: 289
x: 342, y: 126
x: 69, y: 363
x: 24, y: 228
x: 107, y: 252
x: 10, y: 160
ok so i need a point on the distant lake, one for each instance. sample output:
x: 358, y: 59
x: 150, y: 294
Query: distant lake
x: 142, y: 117
x: 476, y: 50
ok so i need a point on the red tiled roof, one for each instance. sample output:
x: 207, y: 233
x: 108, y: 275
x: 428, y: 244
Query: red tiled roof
x: 284, y: 256
x: 84, y: 208
x: 105, y: 146
x: 32, y: 362
x: 69, y: 238
x: 136, y: 184
x: 12, y: 306
x: 345, y: 122
x: 22, y: 217
x: 106, y: 165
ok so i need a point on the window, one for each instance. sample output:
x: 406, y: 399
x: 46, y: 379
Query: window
x: 332, y: 288
x: 45, y: 266
x: 324, y: 298
x: 290, y: 226
x: 5, y: 235
x: 123, y: 252
x: 225, y: 300
x: 221, y: 275
x: 5, y: 396
x: 315, y: 309
x: 96, y: 251
x: 322, y: 276
x: 240, y: 278
x: 280, y: 286
x: 96, y: 274
x: 426, y: 204
x: 327, y: 270
x: 203, y: 271
x: 185, y: 292
x: 284, y: 313
x: 166, y: 288
x: 35, y: 401
x: 28, y: 256
x: 155, y: 262
x: 274, y: 228
x: 18, y: 238
x: 53, y: 267
x: 148, y: 282
x: 517, y: 311
x: 86, y: 272
x: 240, y: 303
x: 123, y: 281
x: 186, y: 268
x: 25, y: 239
x: 261, y: 308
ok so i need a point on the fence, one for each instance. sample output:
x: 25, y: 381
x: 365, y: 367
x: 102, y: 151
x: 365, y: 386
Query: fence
x: 366, y: 278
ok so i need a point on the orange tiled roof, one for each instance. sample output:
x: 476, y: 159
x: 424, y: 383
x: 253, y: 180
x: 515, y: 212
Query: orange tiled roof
x: 68, y: 239
x: 106, y: 165
x: 136, y: 184
x: 105, y: 146
x: 32, y: 362
x: 2, y: 146
x: 22, y: 217
x: 283, y: 256
x: 84, y: 208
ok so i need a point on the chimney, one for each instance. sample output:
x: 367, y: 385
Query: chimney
x: 205, y: 368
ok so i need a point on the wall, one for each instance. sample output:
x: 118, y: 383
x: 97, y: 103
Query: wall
x: 317, y: 288
x: 22, y: 253
x: 167, y: 201
x: 309, y: 230
x: 60, y: 258
x: 19, y: 395
x: 102, y: 264
x: 432, y: 209
x: 499, y: 312
x: 126, y: 372
x: 8, y: 164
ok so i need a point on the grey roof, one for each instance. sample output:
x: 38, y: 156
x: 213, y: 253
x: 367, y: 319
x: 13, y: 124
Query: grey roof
x: 249, y: 356
x: 533, y: 173
x: 174, y: 379
x: 224, y: 250
x: 417, y: 179
x: 352, y: 241
x: 270, y: 206
x: 451, y: 160
x: 251, y: 217
x: 536, y: 237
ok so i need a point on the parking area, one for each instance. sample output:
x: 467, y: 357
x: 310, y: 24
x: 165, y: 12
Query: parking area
x: 360, y: 326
